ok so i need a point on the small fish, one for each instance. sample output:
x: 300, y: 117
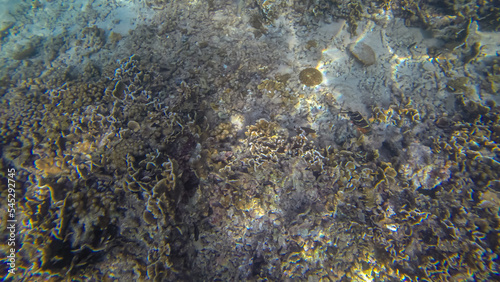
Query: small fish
x: 306, y: 131
x: 360, y: 122
x: 196, y: 232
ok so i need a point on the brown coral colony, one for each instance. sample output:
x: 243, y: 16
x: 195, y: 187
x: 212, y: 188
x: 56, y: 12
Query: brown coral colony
x: 310, y: 77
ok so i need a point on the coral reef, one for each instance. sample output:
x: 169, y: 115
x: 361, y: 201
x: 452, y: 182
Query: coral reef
x: 189, y: 149
x: 92, y: 39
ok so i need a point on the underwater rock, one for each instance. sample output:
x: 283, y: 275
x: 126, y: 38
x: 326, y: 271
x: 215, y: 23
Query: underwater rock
x: 4, y: 29
x: 310, y: 77
x: 24, y: 52
x: 363, y: 53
